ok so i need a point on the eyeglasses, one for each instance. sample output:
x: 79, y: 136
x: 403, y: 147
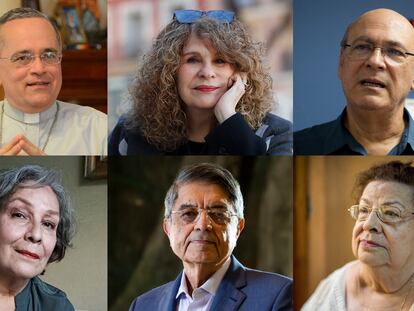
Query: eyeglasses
x: 191, y: 16
x: 26, y: 58
x: 363, y: 50
x: 191, y: 215
x: 386, y: 213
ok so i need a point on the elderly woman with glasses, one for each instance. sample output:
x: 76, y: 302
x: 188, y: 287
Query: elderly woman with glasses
x: 202, y: 89
x: 382, y: 277
x: 36, y: 227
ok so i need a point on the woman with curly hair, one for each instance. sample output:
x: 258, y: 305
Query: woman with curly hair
x: 202, y: 89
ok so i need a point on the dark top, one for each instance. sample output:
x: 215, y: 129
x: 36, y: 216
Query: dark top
x: 233, y: 136
x: 242, y: 289
x: 333, y: 138
x: 40, y: 296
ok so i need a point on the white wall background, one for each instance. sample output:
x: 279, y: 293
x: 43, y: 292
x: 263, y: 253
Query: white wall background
x: 82, y: 274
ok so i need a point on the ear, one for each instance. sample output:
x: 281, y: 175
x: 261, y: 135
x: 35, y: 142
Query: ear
x: 166, y: 226
x: 240, y: 226
x: 341, y: 64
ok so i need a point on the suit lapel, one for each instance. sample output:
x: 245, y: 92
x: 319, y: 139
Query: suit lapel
x: 168, y: 302
x: 229, y: 296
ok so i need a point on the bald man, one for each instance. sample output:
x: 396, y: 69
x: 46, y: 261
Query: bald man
x: 376, y: 68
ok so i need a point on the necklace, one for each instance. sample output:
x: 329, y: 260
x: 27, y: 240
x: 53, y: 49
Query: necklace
x: 48, y: 134
x: 410, y: 283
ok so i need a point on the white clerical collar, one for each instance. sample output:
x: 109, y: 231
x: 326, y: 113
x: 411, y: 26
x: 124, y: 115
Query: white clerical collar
x: 29, y: 118
x: 211, y: 285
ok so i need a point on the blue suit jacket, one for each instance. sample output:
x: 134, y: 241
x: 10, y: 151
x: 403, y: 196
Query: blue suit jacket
x: 241, y: 289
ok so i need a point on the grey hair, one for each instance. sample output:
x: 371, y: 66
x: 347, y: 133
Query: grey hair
x: 19, y: 13
x: 209, y: 173
x: 34, y: 176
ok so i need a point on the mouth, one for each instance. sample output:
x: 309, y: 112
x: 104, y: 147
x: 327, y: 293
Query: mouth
x: 201, y: 242
x: 28, y: 254
x: 206, y: 88
x: 38, y: 83
x: 370, y: 244
x: 372, y: 83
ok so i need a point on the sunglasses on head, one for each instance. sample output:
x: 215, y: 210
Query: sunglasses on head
x: 191, y: 16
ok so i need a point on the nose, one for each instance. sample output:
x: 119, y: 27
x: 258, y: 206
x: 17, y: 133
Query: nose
x: 207, y: 71
x: 34, y: 233
x: 203, y: 221
x: 372, y: 223
x: 37, y: 66
x: 376, y: 59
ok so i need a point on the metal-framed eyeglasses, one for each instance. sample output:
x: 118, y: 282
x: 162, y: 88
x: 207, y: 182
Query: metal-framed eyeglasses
x: 386, y: 213
x: 22, y: 59
x: 191, y: 16
x: 362, y: 50
x: 191, y: 215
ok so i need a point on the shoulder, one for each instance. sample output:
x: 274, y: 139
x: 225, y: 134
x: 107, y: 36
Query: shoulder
x: 277, y: 123
x: 311, y: 139
x: 151, y: 300
x: 314, y: 132
x: 274, y: 291
x: 79, y: 111
x: 266, y: 279
x: 330, y: 293
x: 125, y: 141
x: 277, y: 133
x: 50, y: 296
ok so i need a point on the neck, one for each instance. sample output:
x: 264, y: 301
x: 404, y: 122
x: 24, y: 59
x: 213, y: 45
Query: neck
x: 377, y: 131
x: 11, y: 287
x: 199, y: 124
x: 197, y: 274
x: 29, y: 109
x: 385, y: 279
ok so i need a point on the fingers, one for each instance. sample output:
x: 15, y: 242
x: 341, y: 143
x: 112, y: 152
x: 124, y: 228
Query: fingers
x: 238, y: 78
x: 30, y: 148
x: 13, y: 147
x: 243, y: 76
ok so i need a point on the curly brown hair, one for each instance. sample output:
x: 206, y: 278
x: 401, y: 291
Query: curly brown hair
x: 157, y: 109
x: 390, y: 171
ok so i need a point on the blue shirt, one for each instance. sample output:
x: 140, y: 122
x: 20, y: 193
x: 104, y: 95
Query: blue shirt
x: 333, y: 138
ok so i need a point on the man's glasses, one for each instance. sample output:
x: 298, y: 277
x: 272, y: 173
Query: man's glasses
x: 27, y: 58
x: 386, y: 213
x: 191, y: 215
x: 191, y: 16
x: 363, y: 50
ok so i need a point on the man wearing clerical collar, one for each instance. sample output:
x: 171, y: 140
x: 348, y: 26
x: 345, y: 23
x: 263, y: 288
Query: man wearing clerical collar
x: 203, y: 220
x: 32, y: 121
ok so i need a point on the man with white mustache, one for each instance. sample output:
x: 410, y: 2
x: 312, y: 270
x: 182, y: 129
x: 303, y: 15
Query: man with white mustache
x: 203, y: 220
x: 32, y: 121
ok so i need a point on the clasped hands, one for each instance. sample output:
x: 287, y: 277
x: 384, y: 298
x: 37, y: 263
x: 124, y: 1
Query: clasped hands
x: 226, y: 106
x: 21, y: 146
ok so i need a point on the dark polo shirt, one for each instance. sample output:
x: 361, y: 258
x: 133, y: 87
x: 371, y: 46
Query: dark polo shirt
x: 333, y: 138
x: 40, y: 296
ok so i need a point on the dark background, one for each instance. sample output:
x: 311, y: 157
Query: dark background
x: 139, y: 254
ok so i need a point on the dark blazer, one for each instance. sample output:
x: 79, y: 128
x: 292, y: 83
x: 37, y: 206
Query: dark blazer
x: 241, y: 289
x: 234, y: 136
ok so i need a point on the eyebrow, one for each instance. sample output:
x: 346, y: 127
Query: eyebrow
x: 394, y: 203
x: 31, y: 52
x: 190, y: 53
x: 218, y: 205
x: 187, y: 205
x: 48, y: 212
x: 388, y: 42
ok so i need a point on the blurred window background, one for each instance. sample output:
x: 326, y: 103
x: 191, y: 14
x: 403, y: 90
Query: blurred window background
x: 133, y: 24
